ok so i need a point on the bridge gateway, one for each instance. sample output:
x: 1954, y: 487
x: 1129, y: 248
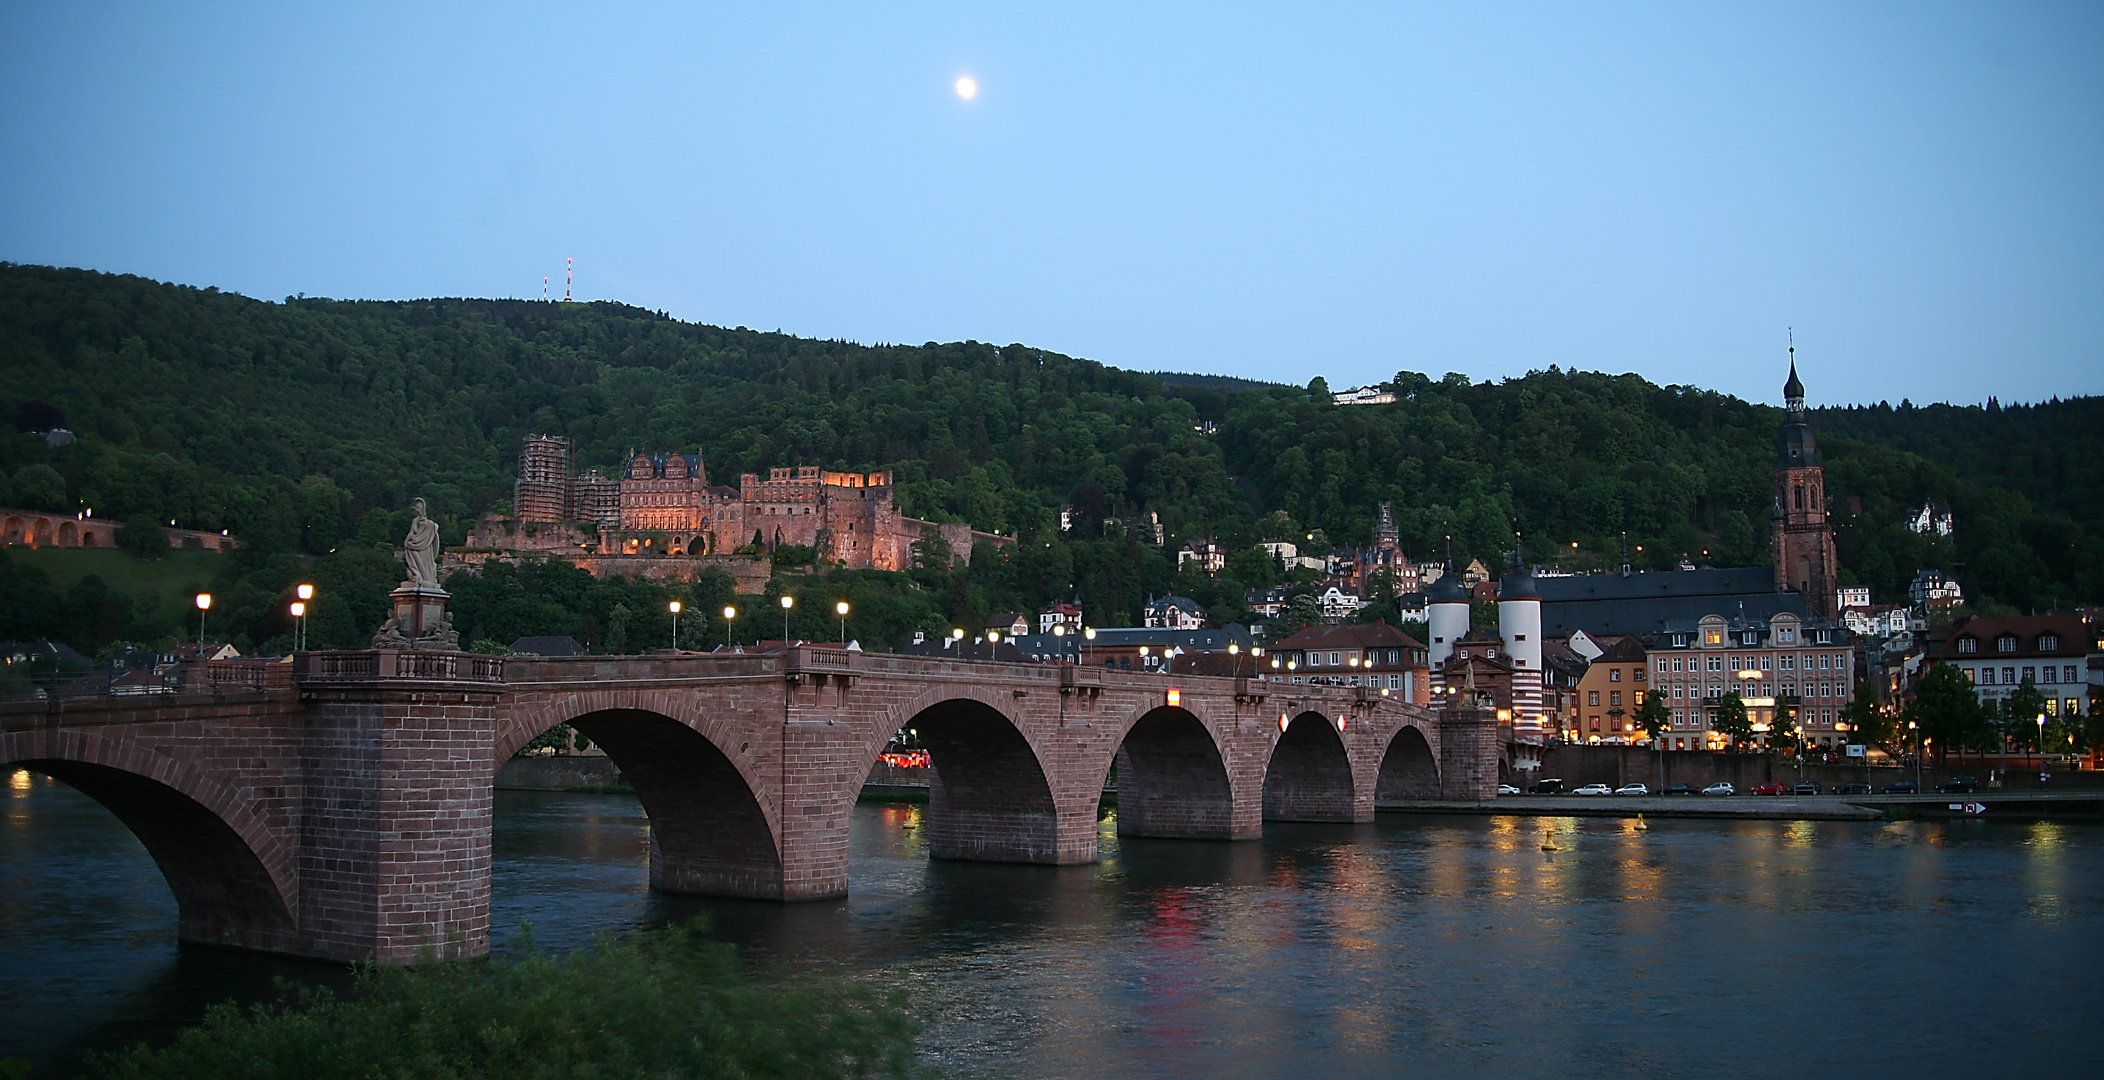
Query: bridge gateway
x: 346, y: 813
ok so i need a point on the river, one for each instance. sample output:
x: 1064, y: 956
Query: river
x: 1422, y: 946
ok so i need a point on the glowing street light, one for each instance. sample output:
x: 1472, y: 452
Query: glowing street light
x: 674, y: 608
x: 204, y: 604
x: 840, y: 609
x: 299, y: 611
x: 729, y: 615
x: 787, y: 603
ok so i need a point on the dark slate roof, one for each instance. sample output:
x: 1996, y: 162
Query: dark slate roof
x: 1132, y: 637
x: 948, y: 649
x: 1645, y: 603
x: 547, y: 646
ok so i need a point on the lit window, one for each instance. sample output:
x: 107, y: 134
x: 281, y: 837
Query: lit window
x: 1713, y: 637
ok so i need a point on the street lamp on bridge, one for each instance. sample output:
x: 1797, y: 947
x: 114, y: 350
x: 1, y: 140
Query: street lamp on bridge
x: 674, y: 608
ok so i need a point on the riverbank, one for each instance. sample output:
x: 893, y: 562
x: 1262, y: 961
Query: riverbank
x: 2022, y: 805
x: 1816, y: 808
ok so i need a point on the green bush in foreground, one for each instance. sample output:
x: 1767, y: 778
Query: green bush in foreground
x: 660, y: 1004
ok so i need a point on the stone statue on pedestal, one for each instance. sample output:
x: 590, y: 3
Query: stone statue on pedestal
x: 419, y: 620
x: 420, y: 550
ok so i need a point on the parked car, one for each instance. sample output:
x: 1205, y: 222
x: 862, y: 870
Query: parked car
x: 1547, y: 787
x: 1508, y: 789
x: 1679, y: 789
x: 1594, y: 789
x: 1809, y: 787
x: 1959, y: 785
x: 1855, y: 787
x: 1772, y: 787
x: 1721, y: 787
x: 1633, y: 789
x: 1904, y: 787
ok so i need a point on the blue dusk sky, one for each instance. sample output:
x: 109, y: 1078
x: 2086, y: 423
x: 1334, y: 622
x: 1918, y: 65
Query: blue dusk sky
x: 1271, y: 191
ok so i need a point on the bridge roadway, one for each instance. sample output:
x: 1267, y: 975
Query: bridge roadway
x: 344, y: 813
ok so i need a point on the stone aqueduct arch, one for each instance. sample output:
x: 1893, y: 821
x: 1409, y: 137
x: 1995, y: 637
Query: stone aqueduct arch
x: 748, y: 777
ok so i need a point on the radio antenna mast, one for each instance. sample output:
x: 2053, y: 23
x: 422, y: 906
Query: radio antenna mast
x: 567, y: 271
x: 544, y: 288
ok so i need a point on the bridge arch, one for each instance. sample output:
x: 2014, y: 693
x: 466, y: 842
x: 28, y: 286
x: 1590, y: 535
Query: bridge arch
x: 1309, y: 777
x: 989, y: 795
x: 1173, y: 780
x: 1409, y: 767
x: 711, y: 832
x: 232, y: 875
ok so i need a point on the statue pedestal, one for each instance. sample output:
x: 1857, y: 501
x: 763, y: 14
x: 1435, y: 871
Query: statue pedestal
x: 419, y: 621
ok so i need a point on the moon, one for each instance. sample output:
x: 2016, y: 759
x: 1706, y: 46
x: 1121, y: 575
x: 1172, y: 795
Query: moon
x: 967, y: 87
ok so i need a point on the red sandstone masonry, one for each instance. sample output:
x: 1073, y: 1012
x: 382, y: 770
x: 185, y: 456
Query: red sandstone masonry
x: 363, y: 802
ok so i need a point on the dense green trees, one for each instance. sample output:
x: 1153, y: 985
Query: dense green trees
x: 306, y: 427
x: 664, y: 1003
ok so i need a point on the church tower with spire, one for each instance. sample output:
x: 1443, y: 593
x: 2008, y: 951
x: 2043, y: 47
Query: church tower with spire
x: 1803, y: 542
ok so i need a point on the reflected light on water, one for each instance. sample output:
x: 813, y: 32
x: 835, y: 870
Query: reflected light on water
x: 1420, y: 946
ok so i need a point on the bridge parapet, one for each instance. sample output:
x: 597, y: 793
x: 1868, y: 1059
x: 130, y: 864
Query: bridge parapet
x: 377, y: 664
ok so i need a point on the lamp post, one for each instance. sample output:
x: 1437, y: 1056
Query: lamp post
x: 729, y: 614
x: 1088, y: 634
x: 788, y: 602
x: 299, y: 611
x: 306, y: 594
x: 1916, y: 729
x: 840, y: 609
x: 204, y: 604
x: 2041, y: 737
x: 674, y: 608
x: 1059, y: 634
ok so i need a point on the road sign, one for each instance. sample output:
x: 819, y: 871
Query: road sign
x: 1858, y: 750
x: 1970, y: 808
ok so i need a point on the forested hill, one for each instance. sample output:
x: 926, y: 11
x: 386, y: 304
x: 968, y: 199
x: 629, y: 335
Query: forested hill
x: 290, y: 423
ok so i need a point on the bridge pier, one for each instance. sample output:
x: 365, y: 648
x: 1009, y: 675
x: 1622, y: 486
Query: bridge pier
x: 394, y: 832
x: 1468, y: 754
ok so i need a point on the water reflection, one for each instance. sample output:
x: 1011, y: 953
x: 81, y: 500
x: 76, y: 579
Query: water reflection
x: 1413, y: 946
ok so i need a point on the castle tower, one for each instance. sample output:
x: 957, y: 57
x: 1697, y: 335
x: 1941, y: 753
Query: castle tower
x: 1448, y: 617
x: 1519, y: 625
x: 1802, y: 541
x: 543, y: 489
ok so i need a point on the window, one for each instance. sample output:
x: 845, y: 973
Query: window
x: 1713, y: 637
x: 2051, y: 672
x: 1789, y: 663
x: 1823, y: 661
x: 2048, y: 642
x: 1592, y: 698
x: 1614, y: 674
x: 1662, y: 665
x: 1336, y: 659
x: 1716, y: 663
x: 1676, y: 664
x: 1785, y: 635
x: 1614, y: 697
x: 2005, y: 643
x: 2009, y: 676
x: 2067, y: 674
x: 1639, y: 697
x: 1969, y: 676
x: 2031, y: 674
x: 1968, y: 645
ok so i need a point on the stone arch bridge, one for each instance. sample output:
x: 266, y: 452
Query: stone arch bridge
x: 347, y: 815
